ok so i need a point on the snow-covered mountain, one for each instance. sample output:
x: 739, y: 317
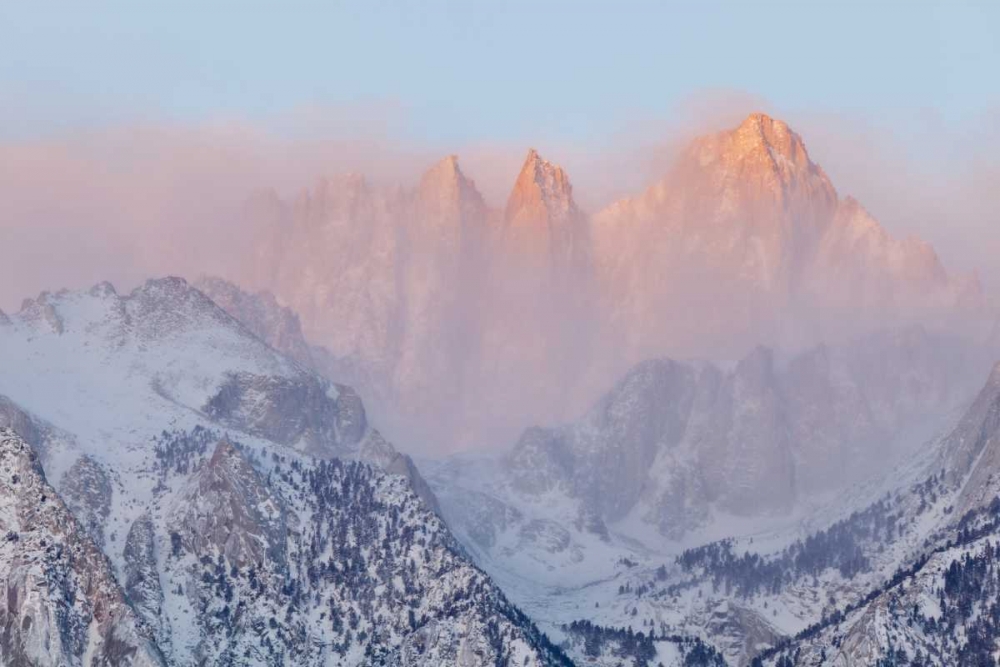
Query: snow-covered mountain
x: 473, y: 322
x: 215, y: 502
x: 624, y: 533
x: 192, y: 488
x: 674, y: 445
x: 581, y: 525
x: 166, y: 355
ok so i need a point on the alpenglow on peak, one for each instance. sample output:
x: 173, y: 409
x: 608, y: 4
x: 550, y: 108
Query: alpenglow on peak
x: 542, y: 191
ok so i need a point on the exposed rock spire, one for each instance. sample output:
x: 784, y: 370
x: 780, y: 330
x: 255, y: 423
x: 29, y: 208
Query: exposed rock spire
x: 542, y: 193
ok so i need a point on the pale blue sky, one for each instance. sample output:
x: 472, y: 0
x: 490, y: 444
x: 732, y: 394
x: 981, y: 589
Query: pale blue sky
x: 467, y: 71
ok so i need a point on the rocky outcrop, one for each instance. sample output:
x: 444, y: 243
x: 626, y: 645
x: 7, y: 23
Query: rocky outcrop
x: 41, y: 313
x: 402, y: 465
x: 86, y: 489
x: 727, y: 431
x: 302, y: 412
x: 141, y: 576
x: 227, y: 509
x: 314, y: 417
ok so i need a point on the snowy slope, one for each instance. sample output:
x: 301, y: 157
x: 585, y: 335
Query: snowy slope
x: 244, y: 504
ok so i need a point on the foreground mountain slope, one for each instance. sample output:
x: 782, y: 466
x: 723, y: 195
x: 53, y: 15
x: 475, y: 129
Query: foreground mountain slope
x: 941, y: 610
x: 247, y: 508
x: 940, y: 605
x: 906, y: 575
x: 931, y: 598
x: 61, y: 602
x: 552, y: 525
x: 290, y: 560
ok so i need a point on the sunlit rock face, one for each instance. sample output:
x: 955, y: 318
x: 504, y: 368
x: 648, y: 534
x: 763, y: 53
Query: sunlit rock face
x: 747, y: 238
x: 537, y: 329
x: 541, y: 216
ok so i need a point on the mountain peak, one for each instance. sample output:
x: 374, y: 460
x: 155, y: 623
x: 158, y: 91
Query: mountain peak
x: 761, y: 161
x: 760, y: 122
x: 446, y: 194
x: 762, y: 132
x: 444, y: 170
x: 542, y: 191
x: 446, y: 177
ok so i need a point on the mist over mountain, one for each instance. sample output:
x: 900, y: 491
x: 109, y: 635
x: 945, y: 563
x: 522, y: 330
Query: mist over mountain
x: 500, y: 334
x: 474, y: 322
